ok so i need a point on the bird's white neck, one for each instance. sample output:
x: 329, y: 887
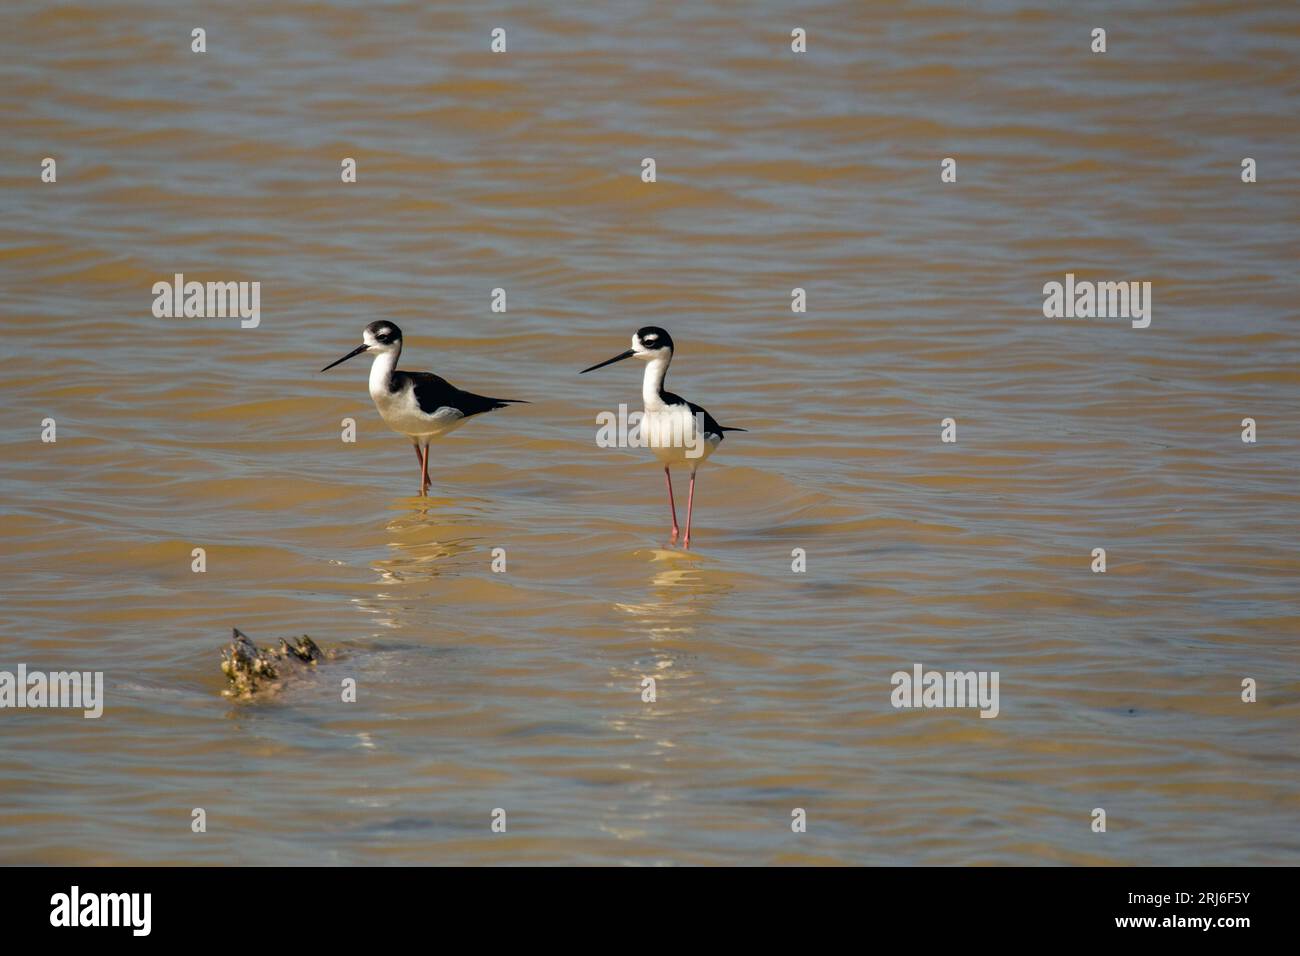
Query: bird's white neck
x: 381, y: 372
x: 655, y: 371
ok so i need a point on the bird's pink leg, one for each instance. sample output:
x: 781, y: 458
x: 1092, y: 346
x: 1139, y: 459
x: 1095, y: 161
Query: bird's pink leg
x: 415, y: 443
x: 424, y: 468
x: 668, y: 480
x: 690, y: 505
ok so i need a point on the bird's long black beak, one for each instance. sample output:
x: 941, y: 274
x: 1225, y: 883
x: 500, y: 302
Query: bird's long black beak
x: 617, y: 358
x: 356, y: 351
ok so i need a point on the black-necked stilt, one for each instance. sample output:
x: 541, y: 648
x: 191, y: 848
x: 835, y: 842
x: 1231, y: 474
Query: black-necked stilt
x: 677, y: 431
x: 420, y: 405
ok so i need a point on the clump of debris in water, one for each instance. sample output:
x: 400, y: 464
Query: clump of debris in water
x: 257, y: 671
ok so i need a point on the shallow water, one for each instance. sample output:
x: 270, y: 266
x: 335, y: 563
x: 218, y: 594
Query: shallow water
x: 521, y: 690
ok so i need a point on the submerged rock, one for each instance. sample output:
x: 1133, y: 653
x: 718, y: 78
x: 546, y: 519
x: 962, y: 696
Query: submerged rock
x: 256, y: 671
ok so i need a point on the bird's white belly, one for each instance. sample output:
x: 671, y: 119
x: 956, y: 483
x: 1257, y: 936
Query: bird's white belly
x: 675, y: 436
x: 402, y: 413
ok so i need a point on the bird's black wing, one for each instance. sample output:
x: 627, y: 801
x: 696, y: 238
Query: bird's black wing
x: 433, y: 392
x: 711, y: 426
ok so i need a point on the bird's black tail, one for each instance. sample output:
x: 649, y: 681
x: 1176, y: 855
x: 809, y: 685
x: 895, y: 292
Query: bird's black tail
x: 728, y: 428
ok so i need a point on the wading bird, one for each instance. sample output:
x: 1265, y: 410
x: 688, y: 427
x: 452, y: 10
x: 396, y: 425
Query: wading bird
x: 420, y: 405
x: 677, y: 431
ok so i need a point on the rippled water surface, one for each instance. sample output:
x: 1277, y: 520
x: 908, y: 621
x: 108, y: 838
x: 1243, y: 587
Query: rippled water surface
x: 522, y: 690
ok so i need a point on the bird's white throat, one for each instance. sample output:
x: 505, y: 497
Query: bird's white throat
x: 381, y: 371
x: 655, y: 371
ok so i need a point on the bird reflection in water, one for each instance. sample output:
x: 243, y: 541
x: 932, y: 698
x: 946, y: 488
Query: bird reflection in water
x: 681, y: 588
x: 424, y: 537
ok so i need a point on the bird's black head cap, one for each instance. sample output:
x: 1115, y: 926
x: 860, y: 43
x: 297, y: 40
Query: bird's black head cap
x: 651, y: 338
